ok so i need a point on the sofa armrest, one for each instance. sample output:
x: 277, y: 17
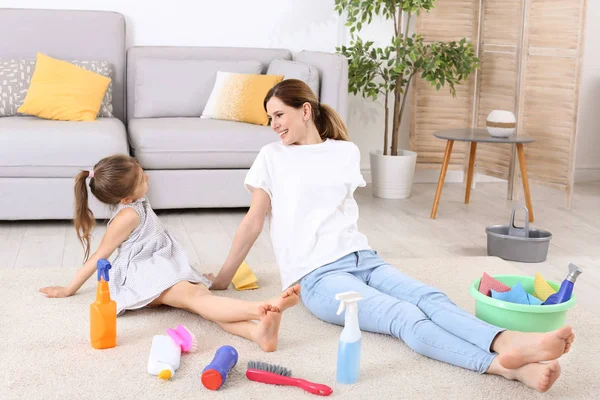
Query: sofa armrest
x: 333, y: 77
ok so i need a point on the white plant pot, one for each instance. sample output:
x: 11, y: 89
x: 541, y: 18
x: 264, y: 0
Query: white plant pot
x: 392, y: 176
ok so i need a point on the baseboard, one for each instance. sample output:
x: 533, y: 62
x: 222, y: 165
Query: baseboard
x: 582, y: 174
x: 587, y: 174
x: 432, y: 176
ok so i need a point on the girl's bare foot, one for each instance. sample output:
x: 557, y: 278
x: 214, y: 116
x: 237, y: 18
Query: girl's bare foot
x: 539, y: 376
x: 289, y: 298
x: 266, y: 333
x: 517, y: 349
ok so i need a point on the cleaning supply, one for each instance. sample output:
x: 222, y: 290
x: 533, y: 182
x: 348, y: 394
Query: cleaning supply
x: 566, y: 287
x: 348, y: 359
x: 517, y: 295
x: 215, y: 373
x: 244, y: 278
x: 103, y: 311
x: 541, y: 289
x: 278, y: 375
x: 164, y: 358
x: 165, y: 352
x: 183, y: 338
x: 488, y: 283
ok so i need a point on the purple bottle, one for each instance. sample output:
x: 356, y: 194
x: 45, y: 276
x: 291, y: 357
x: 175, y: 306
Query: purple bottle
x: 566, y: 287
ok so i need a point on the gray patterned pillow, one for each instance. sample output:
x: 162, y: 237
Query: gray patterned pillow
x: 15, y: 78
x: 13, y: 87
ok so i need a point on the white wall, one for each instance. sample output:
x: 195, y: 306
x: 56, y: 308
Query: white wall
x: 587, y: 164
x: 308, y: 25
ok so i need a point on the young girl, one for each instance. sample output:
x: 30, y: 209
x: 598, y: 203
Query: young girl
x: 304, y: 184
x: 151, y: 267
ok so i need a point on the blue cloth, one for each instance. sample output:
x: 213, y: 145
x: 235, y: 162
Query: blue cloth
x: 395, y: 304
x: 517, y: 295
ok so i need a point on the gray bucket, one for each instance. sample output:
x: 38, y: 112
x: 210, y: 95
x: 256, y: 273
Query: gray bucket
x: 518, y: 244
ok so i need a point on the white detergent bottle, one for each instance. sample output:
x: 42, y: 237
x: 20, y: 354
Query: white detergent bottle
x: 348, y: 360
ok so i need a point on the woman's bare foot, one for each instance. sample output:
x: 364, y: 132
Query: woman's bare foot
x: 517, y: 349
x: 537, y: 376
x: 289, y: 298
x: 570, y: 341
x: 266, y: 333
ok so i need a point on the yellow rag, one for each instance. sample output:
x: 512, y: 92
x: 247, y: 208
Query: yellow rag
x: 244, y: 278
x: 542, y: 290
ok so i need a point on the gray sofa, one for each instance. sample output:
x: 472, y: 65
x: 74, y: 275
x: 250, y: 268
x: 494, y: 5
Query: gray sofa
x: 158, y: 97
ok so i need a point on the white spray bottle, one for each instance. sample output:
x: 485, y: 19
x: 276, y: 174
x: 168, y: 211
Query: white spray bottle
x: 348, y: 361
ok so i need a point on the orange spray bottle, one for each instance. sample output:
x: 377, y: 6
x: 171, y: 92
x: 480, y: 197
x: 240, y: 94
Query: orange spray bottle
x: 103, y: 312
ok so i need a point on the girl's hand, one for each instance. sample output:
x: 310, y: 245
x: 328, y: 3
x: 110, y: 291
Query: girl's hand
x: 215, y: 285
x: 56, y: 291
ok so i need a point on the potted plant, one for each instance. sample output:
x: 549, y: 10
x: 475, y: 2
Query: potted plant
x: 388, y: 71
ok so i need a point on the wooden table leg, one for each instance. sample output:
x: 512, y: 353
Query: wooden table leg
x: 438, y: 193
x: 470, y: 172
x: 521, y: 155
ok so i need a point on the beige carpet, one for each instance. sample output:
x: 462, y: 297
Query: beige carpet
x: 45, y: 352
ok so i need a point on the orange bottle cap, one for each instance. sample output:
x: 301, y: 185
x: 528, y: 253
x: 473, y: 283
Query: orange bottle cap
x: 212, y: 379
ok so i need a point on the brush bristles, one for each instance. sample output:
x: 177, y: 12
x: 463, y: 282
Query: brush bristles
x: 276, y: 369
x: 194, y: 343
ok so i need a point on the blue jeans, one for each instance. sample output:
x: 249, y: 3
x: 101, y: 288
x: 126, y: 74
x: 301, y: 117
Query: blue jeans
x: 395, y: 304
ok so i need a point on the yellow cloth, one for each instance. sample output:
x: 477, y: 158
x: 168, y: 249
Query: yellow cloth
x: 63, y: 91
x: 244, y: 278
x: 541, y: 289
x: 239, y: 97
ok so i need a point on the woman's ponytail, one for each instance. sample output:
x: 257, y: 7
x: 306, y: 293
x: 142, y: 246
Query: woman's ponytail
x: 329, y: 123
x: 84, y: 218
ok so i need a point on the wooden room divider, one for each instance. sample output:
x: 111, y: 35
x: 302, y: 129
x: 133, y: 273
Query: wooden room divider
x: 531, y: 54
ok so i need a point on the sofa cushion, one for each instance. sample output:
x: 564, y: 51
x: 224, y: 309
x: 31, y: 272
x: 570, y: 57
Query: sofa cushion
x: 180, y: 88
x: 63, y: 91
x: 240, y: 97
x: 296, y: 70
x: 34, y: 147
x: 187, y: 143
x: 100, y: 67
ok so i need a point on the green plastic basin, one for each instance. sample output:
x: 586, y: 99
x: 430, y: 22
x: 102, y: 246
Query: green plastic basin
x: 520, y: 317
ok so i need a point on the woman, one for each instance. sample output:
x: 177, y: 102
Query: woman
x: 304, y: 185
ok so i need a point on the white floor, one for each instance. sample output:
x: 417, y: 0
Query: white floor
x: 396, y: 228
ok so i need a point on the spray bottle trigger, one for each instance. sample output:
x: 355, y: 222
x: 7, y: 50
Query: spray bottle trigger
x: 347, y: 297
x: 103, y: 265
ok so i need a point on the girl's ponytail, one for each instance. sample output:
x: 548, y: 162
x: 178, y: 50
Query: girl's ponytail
x: 84, y: 218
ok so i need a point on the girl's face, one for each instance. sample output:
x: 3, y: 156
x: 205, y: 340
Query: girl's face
x: 289, y: 123
x: 142, y: 186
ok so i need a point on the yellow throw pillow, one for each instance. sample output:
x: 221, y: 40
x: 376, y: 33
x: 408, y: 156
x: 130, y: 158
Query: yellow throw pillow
x: 63, y: 91
x: 239, y: 97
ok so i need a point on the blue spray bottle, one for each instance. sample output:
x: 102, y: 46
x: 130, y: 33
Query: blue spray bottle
x: 348, y: 361
x: 566, y: 287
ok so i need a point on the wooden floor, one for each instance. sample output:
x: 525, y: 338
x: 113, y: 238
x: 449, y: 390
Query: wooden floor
x: 396, y: 228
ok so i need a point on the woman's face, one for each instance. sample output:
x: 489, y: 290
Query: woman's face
x: 288, y: 122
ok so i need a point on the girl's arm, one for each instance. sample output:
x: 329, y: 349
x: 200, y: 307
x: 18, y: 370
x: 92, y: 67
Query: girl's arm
x: 117, y: 232
x: 247, y: 233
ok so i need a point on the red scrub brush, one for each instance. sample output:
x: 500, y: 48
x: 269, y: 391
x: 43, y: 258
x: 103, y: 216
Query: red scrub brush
x: 277, y: 375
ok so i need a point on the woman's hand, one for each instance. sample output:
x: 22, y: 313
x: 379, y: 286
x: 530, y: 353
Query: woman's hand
x: 56, y: 291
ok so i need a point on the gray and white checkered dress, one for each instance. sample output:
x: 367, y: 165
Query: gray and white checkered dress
x: 150, y: 261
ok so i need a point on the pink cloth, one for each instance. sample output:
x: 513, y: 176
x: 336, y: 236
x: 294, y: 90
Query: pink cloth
x: 488, y: 283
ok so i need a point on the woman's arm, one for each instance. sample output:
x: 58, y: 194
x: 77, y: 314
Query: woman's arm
x: 117, y: 232
x: 247, y: 233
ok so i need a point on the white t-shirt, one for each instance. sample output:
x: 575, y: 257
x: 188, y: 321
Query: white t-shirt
x: 313, y: 218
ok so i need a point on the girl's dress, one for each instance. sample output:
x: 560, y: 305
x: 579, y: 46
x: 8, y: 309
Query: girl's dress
x: 150, y: 261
